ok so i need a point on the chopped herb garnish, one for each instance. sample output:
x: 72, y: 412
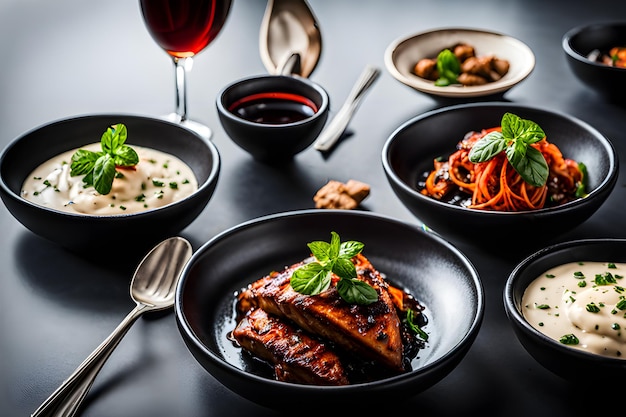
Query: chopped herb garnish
x: 605, y: 279
x: 569, y: 339
x: 592, y: 308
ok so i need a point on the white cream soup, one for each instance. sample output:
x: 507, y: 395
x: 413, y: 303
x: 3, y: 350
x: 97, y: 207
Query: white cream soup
x: 581, y: 304
x: 157, y: 180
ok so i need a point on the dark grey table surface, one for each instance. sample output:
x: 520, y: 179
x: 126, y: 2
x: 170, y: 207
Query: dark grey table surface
x: 71, y: 57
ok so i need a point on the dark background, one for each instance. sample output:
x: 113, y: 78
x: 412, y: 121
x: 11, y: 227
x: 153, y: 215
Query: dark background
x: 68, y: 57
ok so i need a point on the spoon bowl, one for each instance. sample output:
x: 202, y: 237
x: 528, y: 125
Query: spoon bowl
x: 152, y: 288
x: 154, y: 283
x: 290, y: 29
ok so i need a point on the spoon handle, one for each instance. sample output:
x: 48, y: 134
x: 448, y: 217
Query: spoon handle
x: 67, y: 398
x: 338, y: 125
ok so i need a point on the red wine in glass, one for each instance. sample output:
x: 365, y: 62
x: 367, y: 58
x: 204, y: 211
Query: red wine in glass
x: 183, y: 28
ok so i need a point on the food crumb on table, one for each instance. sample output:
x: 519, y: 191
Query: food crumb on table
x: 339, y: 195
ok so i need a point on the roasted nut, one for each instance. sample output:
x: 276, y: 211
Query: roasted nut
x: 471, y: 79
x: 426, y: 68
x: 463, y: 51
x: 337, y: 195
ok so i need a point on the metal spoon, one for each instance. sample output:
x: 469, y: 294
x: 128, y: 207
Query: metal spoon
x: 152, y: 288
x: 331, y: 134
x: 289, y: 27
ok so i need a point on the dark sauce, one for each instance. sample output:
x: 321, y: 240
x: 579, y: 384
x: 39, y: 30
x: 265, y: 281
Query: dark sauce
x: 274, y: 108
x: 456, y: 197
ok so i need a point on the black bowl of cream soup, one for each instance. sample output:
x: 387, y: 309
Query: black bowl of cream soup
x: 567, y: 306
x: 172, y: 182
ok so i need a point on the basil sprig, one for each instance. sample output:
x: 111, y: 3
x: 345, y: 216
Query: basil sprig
x: 449, y: 68
x: 515, y: 139
x: 335, y: 257
x: 99, y: 167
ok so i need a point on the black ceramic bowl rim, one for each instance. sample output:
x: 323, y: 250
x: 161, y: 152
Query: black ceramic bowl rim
x: 569, y: 38
x: 608, y: 181
x: 395, y: 381
x: 294, y: 79
x: 512, y: 305
x: 109, y: 217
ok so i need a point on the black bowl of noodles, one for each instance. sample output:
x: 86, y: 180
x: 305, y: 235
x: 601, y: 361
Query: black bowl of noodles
x: 410, y: 151
x: 126, y: 232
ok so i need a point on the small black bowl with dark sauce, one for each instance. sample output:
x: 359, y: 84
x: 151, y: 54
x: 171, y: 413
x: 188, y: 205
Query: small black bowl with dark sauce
x: 273, y: 117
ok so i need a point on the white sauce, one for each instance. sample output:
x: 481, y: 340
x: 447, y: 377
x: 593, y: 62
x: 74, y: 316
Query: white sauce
x: 157, y: 180
x: 557, y: 304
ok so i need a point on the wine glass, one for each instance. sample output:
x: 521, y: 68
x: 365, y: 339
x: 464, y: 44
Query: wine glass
x: 183, y: 28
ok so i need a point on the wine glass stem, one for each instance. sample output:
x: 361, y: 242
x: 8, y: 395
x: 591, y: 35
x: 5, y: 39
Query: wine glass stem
x: 181, y: 65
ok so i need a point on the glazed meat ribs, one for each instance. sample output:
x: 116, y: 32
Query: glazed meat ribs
x: 293, y: 331
x: 296, y: 356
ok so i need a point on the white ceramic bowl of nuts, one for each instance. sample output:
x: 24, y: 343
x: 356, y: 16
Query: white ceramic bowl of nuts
x: 509, y: 61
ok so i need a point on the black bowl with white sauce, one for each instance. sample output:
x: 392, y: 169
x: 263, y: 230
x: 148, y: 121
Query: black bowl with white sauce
x: 85, y: 232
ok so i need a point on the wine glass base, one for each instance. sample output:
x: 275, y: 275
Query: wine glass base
x: 192, y: 125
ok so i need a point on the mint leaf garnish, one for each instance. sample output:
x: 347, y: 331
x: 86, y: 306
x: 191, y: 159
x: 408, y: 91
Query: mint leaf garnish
x: 355, y: 291
x: 333, y: 258
x: 99, y: 167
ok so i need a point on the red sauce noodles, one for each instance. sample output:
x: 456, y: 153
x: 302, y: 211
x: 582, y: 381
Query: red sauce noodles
x: 496, y: 185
